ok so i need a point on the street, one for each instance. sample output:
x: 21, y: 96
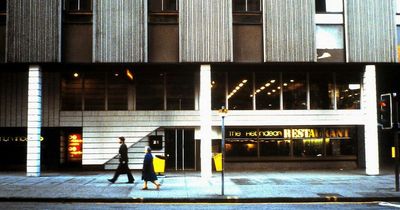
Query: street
x: 230, y: 206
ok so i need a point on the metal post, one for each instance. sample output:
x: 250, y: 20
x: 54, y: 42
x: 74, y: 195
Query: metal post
x: 223, y: 154
x: 396, y: 139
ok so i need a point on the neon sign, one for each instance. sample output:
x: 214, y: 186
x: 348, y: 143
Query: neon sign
x: 75, y: 147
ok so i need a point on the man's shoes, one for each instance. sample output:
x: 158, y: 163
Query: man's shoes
x: 130, y: 182
x: 110, y: 180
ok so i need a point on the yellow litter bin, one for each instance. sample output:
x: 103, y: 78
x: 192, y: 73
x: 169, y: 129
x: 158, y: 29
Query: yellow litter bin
x: 159, y: 164
x: 218, y: 161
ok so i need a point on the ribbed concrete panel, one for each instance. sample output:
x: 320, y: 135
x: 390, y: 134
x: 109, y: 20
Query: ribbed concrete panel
x: 371, y: 30
x: 289, y: 30
x: 120, y: 31
x: 205, y: 30
x: 33, y: 33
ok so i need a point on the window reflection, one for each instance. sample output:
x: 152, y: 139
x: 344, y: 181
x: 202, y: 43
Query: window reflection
x: 322, y: 92
x: 150, y: 91
x: 294, y: 91
x: 180, y: 91
x: 241, y: 148
x: 117, y: 93
x: 218, y: 90
x: 308, y: 147
x: 272, y: 147
x: 240, y: 91
x: 348, y: 90
x: 71, y: 91
x: 268, y: 91
x: 94, y: 84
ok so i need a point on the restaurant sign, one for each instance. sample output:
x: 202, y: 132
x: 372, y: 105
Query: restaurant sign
x: 287, y: 133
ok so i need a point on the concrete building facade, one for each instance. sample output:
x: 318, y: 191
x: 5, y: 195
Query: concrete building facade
x: 297, y: 76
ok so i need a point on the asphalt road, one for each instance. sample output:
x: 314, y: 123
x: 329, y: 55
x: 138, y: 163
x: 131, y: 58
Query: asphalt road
x: 198, y: 206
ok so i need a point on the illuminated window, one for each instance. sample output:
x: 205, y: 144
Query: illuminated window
x: 241, y: 148
x: 348, y: 90
x: 322, y: 91
x: 267, y: 91
x: 329, y: 6
x: 240, y: 89
x: 218, y: 90
x: 294, y: 87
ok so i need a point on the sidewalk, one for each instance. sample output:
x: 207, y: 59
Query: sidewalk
x: 254, y: 186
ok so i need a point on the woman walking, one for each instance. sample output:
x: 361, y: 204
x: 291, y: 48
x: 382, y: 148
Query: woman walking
x: 148, y: 173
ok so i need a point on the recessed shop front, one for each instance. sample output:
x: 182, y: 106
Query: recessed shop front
x: 291, y: 144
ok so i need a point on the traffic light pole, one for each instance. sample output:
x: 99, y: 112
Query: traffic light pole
x: 396, y: 140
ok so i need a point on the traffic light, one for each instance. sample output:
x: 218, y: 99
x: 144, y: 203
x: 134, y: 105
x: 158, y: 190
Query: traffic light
x: 385, y: 111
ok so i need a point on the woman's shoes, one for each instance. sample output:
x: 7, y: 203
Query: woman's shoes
x: 158, y: 186
x: 144, y: 188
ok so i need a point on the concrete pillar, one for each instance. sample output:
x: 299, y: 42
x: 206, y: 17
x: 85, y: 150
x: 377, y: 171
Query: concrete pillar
x: 34, y: 121
x: 205, y: 126
x: 369, y: 107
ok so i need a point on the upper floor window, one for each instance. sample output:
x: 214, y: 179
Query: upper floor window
x: 163, y: 11
x: 329, y: 6
x: 3, y: 11
x: 77, y: 5
x: 398, y: 6
x: 247, y: 11
x: 77, y: 10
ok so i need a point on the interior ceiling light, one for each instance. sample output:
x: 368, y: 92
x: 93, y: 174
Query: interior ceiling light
x: 76, y: 74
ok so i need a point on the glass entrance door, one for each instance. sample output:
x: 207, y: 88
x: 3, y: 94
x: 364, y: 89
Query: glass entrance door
x: 180, y: 149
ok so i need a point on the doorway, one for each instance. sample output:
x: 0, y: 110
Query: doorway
x: 180, y: 149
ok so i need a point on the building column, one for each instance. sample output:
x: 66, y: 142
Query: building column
x: 205, y: 116
x: 34, y: 121
x: 369, y: 106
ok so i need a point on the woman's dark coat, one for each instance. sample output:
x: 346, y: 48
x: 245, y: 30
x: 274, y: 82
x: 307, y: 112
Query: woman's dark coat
x: 148, y: 173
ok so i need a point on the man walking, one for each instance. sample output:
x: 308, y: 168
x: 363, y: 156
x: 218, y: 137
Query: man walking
x: 123, y: 163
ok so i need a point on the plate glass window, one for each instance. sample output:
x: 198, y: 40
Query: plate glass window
x: 330, y: 43
x: 294, y: 87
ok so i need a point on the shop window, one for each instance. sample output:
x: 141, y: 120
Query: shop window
x: 329, y: 6
x: 117, y: 92
x: 77, y: 10
x: 274, y: 147
x: 267, y: 91
x: 180, y: 91
x: 240, y: 91
x: 294, y: 87
x: 150, y: 90
x: 71, y: 91
x: 163, y: 31
x: 322, y: 91
x: 241, y: 148
x: 330, y: 43
x: 348, y: 90
x: 308, y: 147
x: 94, y: 91
x: 218, y: 90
